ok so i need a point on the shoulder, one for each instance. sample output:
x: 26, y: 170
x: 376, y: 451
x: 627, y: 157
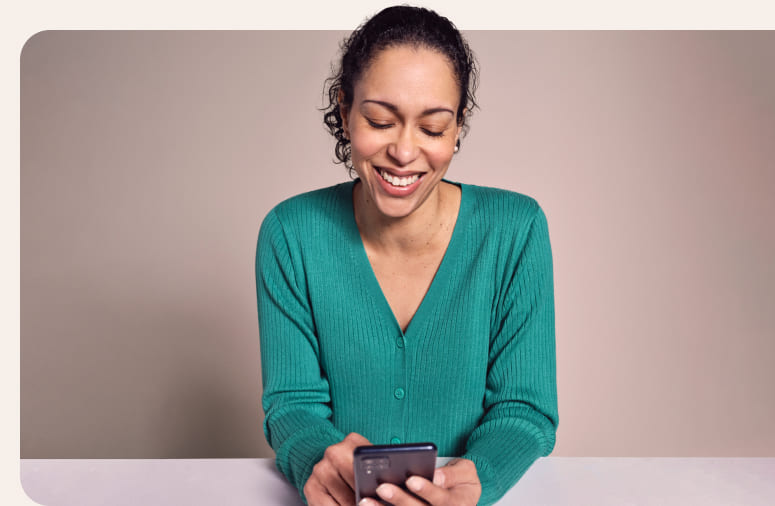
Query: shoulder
x: 313, y: 203
x: 309, y: 211
x: 513, y: 228
x: 502, y: 209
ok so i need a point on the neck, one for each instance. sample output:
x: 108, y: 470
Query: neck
x: 411, y: 234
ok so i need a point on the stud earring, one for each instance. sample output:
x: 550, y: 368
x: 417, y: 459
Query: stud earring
x: 457, y: 147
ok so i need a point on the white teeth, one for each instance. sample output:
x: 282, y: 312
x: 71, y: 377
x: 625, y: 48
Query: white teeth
x: 398, y: 181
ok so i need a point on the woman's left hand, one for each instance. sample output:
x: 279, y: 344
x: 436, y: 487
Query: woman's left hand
x: 455, y: 484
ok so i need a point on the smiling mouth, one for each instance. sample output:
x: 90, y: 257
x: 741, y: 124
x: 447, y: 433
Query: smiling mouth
x: 397, y: 181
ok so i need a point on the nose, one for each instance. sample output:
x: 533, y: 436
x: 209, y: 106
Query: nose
x: 404, y: 148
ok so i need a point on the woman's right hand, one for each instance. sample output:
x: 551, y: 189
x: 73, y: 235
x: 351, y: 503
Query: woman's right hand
x: 332, y: 481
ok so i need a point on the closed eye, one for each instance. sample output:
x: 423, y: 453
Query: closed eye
x: 381, y: 126
x: 433, y: 133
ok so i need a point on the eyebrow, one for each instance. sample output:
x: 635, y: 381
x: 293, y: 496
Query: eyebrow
x: 393, y: 108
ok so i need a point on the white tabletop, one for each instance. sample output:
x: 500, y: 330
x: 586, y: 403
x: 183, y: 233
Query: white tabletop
x: 552, y: 481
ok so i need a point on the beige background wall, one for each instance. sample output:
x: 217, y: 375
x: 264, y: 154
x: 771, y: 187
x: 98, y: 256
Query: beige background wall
x: 150, y: 158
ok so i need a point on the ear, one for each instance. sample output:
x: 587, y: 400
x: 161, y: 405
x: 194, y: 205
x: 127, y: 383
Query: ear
x: 344, y: 113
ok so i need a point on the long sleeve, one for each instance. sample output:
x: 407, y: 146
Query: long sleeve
x: 296, y: 397
x: 520, y: 401
x: 474, y: 372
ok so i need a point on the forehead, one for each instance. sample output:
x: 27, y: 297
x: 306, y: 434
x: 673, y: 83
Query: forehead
x: 407, y: 74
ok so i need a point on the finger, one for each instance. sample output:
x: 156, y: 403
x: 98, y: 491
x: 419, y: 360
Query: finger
x: 317, y: 495
x: 344, y: 468
x: 328, y: 475
x: 428, y: 491
x: 398, y: 497
x: 456, y: 472
x: 341, y: 492
x: 342, y: 456
x: 354, y: 439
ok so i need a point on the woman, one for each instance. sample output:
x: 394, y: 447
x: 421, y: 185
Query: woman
x: 403, y: 307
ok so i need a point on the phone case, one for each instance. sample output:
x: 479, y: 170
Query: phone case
x: 374, y: 465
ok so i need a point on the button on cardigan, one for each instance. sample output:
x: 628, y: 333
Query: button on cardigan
x: 475, y: 370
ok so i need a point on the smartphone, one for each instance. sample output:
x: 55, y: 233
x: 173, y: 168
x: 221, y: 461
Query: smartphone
x: 374, y: 465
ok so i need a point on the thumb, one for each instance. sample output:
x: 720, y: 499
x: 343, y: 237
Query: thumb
x: 438, y: 478
x: 455, y: 472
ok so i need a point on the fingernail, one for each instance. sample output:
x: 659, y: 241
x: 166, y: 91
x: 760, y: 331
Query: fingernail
x: 438, y: 478
x: 364, y: 502
x: 414, y: 483
x: 385, y: 491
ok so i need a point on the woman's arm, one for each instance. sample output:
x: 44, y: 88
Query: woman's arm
x: 521, y: 417
x: 296, y: 398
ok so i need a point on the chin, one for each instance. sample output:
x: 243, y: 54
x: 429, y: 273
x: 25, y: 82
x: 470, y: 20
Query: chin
x: 389, y: 208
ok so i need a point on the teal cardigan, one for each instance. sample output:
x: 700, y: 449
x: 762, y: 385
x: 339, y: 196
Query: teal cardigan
x: 474, y: 372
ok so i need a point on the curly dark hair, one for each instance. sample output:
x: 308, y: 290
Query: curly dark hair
x: 391, y: 27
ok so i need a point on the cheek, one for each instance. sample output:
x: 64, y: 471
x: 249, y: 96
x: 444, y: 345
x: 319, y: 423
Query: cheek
x: 440, y: 157
x: 364, y: 146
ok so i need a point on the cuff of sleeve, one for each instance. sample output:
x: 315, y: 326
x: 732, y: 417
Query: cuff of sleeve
x: 304, y: 447
x: 500, y: 464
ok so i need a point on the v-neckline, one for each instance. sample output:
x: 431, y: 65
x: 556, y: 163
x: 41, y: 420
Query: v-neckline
x: 435, y: 290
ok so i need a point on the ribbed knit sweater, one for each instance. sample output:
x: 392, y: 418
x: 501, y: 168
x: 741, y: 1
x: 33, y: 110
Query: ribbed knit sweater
x: 474, y: 372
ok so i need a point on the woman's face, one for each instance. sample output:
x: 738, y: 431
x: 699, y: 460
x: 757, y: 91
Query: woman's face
x: 402, y: 127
